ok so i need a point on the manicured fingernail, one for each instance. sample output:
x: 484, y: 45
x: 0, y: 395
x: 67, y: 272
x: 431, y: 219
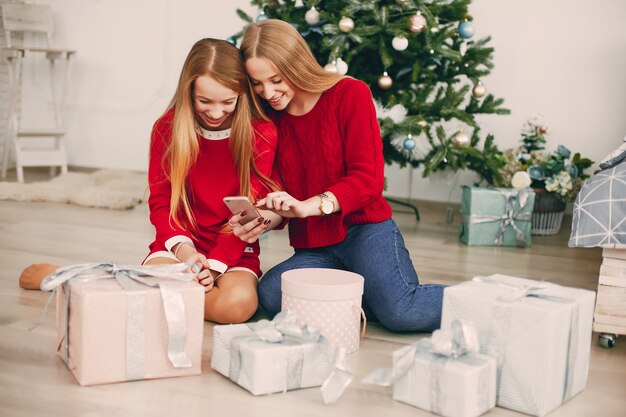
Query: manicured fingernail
x: 260, y: 219
x: 266, y: 222
x: 243, y: 213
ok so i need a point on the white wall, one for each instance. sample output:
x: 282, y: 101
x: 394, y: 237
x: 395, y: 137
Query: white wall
x: 129, y: 57
x: 563, y: 58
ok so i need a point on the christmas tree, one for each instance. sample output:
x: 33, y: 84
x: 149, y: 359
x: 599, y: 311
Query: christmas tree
x: 422, y: 65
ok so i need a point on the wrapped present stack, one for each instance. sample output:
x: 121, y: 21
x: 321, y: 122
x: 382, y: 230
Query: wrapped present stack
x: 538, y: 332
x: 126, y: 323
x: 610, y: 312
x: 496, y: 216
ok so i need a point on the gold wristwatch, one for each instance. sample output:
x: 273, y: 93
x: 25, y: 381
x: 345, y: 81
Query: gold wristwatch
x: 326, y: 205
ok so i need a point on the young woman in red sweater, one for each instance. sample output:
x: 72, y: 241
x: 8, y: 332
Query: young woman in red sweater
x: 213, y: 141
x: 330, y: 161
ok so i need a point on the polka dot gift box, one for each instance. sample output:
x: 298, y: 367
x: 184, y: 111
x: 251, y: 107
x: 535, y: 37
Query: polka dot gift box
x: 328, y: 299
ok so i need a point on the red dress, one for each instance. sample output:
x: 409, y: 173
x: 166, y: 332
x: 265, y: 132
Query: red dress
x: 212, y: 177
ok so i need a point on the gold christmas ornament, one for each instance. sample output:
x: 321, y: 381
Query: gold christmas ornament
x: 479, y: 90
x: 461, y: 138
x: 346, y: 24
x: 417, y: 23
x: 384, y: 81
x: 312, y: 16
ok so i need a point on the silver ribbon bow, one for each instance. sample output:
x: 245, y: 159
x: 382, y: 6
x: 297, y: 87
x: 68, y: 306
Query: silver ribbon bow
x: 501, y: 324
x: 131, y: 279
x: 511, y: 214
x: 284, y: 330
x: 460, y: 342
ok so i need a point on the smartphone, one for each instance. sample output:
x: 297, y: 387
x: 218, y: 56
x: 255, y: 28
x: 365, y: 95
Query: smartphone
x: 237, y: 204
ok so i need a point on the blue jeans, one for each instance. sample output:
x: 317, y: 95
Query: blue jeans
x: 376, y: 251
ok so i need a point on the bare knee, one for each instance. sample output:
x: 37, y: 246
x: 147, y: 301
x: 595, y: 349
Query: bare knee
x: 235, y: 306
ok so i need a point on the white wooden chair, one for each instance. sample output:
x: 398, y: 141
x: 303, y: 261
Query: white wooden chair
x: 32, y: 19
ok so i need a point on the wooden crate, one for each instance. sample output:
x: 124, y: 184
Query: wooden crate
x: 610, y: 311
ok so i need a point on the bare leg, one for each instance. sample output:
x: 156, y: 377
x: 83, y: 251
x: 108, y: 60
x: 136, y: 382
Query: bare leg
x: 233, y: 299
x: 31, y: 277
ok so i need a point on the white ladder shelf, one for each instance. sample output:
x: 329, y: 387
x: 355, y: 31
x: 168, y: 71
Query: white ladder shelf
x: 32, y: 18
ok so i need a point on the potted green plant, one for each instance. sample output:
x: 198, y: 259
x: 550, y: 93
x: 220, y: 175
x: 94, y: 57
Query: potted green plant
x: 556, y: 177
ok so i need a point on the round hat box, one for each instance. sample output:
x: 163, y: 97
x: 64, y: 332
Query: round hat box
x: 327, y: 299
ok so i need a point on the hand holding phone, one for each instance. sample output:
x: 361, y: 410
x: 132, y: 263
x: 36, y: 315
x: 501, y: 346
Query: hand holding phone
x: 239, y: 204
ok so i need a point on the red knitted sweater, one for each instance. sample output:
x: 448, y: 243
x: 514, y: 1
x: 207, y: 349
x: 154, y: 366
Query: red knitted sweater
x: 336, y: 147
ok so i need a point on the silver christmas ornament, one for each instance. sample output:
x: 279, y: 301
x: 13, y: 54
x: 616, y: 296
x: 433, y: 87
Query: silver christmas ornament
x: 384, y: 81
x: 400, y: 43
x: 346, y: 24
x: 312, y: 16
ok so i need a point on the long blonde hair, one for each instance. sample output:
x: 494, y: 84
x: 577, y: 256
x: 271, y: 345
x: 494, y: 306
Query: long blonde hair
x: 221, y: 61
x: 281, y: 44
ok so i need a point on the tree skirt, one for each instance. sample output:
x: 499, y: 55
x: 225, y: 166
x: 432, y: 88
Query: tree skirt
x: 102, y: 189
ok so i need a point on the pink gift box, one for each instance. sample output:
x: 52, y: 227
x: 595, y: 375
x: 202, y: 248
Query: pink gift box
x: 326, y: 299
x: 107, y: 343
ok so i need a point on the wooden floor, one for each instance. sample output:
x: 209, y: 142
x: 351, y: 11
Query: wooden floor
x: 35, y: 382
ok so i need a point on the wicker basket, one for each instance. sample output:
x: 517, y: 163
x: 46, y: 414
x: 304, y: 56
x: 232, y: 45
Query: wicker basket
x: 547, y: 213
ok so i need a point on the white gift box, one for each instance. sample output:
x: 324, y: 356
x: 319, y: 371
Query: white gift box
x: 539, y: 333
x: 263, y: 367
x: 443, y: 374
x: 451, y: 387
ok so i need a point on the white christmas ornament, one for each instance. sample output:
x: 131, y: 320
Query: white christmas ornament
x: 346, y: 24
x: 312, y: 16
x: 399, y: 43
x: 342, y: 66
x: 479, y: 90
x: 299, y: 3
x: 331, y: 68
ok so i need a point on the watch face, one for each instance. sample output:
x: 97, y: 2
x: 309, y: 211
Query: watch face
x: 327, y: 207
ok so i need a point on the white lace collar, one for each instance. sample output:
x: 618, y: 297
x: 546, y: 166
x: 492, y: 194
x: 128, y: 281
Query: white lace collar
x: 213, y: 134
